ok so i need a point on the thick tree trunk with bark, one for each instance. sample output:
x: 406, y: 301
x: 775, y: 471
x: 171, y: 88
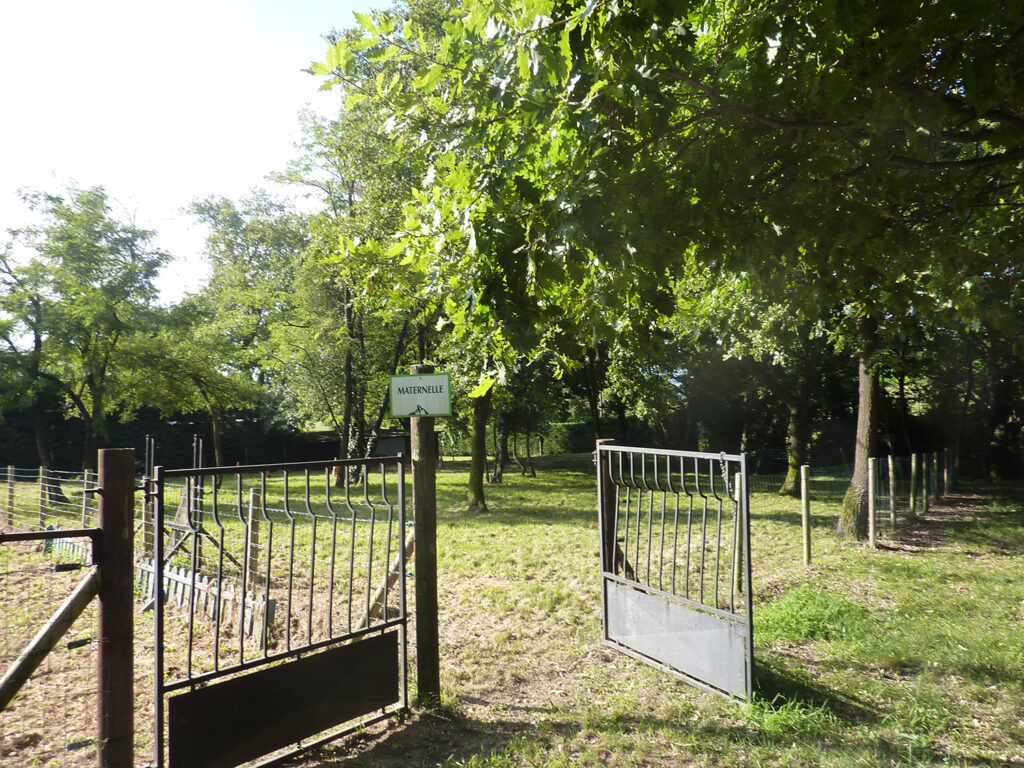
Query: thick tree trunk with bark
x: 798, y: 401
x: 591, y: 377
x: 89, y: 448
x: 853, y: 517
x: 41, y: 427
x: 529, y: 457
x: 478, y: 452
x: 796, y: 445
x: 216, y: 434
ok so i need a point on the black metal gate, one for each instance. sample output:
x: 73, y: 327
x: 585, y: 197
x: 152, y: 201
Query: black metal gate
x: 283, y: 618
x: 675, y: 581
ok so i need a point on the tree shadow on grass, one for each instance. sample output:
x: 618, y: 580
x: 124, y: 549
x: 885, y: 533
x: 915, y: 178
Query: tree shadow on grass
x: 430, y: 737
x: 445, y: 738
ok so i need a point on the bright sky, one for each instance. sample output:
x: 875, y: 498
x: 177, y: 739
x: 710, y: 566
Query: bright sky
x: 159, y: 103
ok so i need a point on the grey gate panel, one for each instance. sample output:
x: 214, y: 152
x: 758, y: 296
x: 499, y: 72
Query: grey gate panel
x: 279, y: 606
x: 675, y: 578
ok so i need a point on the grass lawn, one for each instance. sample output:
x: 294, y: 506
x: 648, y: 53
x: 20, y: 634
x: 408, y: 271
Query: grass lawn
x: 910, y: 654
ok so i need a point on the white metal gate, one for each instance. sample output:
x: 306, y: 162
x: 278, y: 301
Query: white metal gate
x: 675, y: 578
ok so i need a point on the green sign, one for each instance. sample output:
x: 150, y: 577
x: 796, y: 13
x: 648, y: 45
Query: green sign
x: 424, y: 395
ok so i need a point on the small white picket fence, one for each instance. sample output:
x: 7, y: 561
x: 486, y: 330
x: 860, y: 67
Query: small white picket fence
x: 180, y: 582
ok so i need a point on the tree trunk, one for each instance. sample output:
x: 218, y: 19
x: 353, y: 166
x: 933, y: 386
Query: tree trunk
x: 371, y: 444
x: 904, y: 411
x: 89, y: 448
x: 215, y: 433
x: 853, y: 517
x: 797, y: 399
x: 515, y: 453
x: 590, y: 375
x: 478, y: 452
x: 41, y: 427
x: 796, y: 444
x: 620, y: 412
x: 346, y: 382
x: 529, y: 456
x: 44, y: 447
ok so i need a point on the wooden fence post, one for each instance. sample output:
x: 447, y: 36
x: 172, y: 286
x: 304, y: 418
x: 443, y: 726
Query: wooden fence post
x: 10, y: 495
x: 915, y: 458
x: 872, y: 483
x: 892, y: 493
x: 253, y: 533
x: 805, y: 510
x: 926, y: 477
x: 85, y: 497
x: 116, y: 621
x: 148, y: 518
x: 945, y: 472
x: 42, y: 498
x: 424, y: 506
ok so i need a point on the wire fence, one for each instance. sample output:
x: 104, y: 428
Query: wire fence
x: 53, y: 719
x: 895, y: 479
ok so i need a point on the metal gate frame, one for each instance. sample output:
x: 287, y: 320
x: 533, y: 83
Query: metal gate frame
x: 328, y: 682
x: 657, y: 605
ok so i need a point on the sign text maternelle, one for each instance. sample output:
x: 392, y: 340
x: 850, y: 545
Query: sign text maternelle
x: 425, y: 395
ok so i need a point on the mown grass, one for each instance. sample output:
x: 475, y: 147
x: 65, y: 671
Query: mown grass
x: 909, y: 654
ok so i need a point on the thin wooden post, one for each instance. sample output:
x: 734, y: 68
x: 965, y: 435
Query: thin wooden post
x: 388, y: 582
x: 85, y: 497
x: 927, y: 481
x: 148, y: 525
x: 42, y: 498
x: 424, y: 506
x: 116, y: 621
x: 805, y: 510
x: 945, y: 472
x: 253, y: 533
x: 914, y: 460
x: 10, y: 494
x: 872, y: 482
x: 892, y: 493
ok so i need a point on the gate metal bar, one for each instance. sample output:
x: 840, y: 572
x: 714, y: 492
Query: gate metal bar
x: 322, y: 580
x: 675, y: 578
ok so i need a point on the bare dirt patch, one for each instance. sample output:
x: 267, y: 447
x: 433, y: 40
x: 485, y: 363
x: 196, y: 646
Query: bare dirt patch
x: 930, y: 531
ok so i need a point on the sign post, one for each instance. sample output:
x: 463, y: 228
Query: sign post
x: 422, y: 396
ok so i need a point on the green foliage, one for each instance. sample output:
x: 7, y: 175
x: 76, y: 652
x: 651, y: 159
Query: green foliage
x: 77, y: 308
x: 569, y: 437
x: 597, y: 146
